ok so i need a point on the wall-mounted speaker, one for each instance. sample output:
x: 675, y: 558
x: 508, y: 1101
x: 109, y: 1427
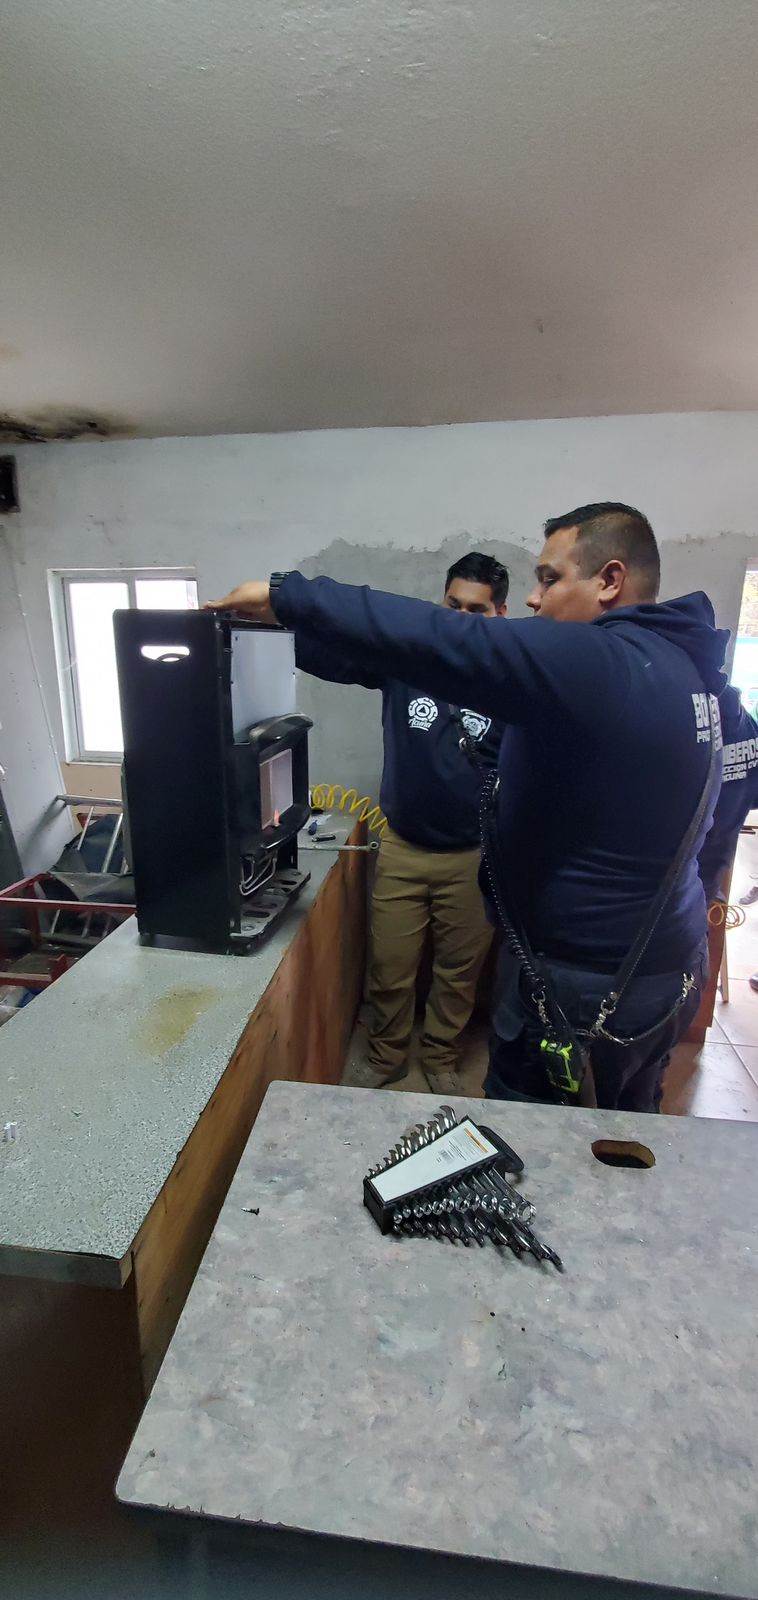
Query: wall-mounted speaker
x: 9, y: 500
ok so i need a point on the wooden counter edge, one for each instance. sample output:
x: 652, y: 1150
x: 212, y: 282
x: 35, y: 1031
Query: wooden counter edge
x: 299, y: 1030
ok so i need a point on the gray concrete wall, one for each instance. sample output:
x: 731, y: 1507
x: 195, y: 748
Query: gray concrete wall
x: 30, y: 774
x: 390, y: 507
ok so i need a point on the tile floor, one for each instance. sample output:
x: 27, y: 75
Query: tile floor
x: 720, y: 1078
x: 717, y: 1079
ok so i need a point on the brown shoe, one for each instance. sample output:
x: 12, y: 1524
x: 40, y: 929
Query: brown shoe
x: 442, y: 1081
x: 365, y: 1075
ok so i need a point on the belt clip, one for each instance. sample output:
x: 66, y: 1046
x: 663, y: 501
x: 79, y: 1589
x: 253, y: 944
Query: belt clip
x: 607, y: 1008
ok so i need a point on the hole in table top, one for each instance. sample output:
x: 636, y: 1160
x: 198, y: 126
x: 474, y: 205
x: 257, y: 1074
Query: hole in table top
x: 623, y: 1153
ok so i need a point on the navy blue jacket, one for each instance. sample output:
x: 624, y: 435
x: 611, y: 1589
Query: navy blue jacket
x: 739, y: 790
x: 430, y: 789
x: 603, y: 760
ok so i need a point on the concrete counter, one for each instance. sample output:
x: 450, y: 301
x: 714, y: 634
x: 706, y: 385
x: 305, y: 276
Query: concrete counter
x: 106, y: 1074
x: 404, y: 1392
x: 135, y: 1081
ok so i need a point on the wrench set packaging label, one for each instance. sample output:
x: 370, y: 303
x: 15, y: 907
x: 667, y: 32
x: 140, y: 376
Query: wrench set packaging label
x: 446, y: 1179
x: 459, y: 1150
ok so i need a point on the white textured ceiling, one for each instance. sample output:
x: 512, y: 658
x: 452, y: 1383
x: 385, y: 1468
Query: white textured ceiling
x: 242, y: 215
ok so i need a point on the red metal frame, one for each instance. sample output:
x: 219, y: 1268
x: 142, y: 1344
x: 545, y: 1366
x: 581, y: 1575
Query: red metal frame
x: 37, y: 980
x: 16, y: 895
x: 25, y: 898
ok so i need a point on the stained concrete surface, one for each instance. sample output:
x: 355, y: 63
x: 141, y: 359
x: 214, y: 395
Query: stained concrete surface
x: 403, y: 1391
x: 106, y: 1074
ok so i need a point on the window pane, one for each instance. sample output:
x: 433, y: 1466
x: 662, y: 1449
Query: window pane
x: 166, y: 594
x: 92, y: 606
x: 745, y: 663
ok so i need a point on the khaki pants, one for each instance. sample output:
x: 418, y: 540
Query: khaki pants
x: 415, y: 890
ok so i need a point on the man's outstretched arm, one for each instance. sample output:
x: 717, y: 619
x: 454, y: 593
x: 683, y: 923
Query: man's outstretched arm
x: 515, y: 671
x: 333, y: 666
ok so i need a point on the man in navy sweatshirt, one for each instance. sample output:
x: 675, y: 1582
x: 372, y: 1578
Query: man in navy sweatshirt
x: 738, y: 796
x: 427, y: 870
x: 607, y: 697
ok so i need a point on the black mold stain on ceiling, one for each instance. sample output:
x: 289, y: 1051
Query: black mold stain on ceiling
x: 42, y: 427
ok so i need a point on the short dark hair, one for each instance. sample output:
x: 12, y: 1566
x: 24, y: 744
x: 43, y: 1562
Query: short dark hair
x: 478, y: 568
x: 609, y: 530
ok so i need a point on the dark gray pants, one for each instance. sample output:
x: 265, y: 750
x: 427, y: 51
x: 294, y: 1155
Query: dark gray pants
x: 627, y: 1076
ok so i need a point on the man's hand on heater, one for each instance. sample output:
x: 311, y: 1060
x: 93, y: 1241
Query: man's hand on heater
x: 248, y: 600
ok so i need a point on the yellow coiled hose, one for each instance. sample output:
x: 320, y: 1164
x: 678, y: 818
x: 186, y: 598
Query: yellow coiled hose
x: 335, y: 797
x: 719, y: 912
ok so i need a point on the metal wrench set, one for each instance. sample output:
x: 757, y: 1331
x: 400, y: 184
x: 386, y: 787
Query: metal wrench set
x: 445, y: 1179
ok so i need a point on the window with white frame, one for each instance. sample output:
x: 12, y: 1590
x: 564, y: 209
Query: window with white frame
x: 83, y: 604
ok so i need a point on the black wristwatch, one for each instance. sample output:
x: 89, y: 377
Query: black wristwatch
x: 274, y: 585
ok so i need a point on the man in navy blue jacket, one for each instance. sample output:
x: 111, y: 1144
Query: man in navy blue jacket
x: 739, y: 792
x: 426, y: 875
x: 738, y: 795
x: 604, y: 759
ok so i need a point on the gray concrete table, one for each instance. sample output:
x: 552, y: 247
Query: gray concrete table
x: 404, y: 1392
x: 135, y: 1081
x: 106, y: 1074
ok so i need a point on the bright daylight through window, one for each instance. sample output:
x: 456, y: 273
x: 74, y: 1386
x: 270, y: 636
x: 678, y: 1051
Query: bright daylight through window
x: 85, y: 602
x: 745, y: 662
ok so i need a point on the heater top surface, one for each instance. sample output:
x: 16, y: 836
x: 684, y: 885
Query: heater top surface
x: 404, y: 1391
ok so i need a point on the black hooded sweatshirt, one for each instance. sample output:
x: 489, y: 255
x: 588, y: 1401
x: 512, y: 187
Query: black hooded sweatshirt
x: 431, y: 789
x: 603, y: 760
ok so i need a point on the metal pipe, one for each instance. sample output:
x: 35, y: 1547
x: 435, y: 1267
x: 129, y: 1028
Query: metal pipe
x: 83, y: 834
x: 114, y: 841
x: 88, y: 800
x: 34, y: 905
x: 322, y: 849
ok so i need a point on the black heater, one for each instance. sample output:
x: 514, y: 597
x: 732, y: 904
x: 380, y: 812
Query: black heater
x: 215, y: 775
